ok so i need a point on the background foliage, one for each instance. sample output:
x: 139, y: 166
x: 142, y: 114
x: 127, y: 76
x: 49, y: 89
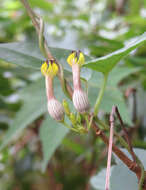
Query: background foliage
x: 98, y: 28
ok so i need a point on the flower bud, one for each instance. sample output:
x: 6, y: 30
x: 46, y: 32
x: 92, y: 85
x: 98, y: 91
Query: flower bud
x: 66, y: 107
x: 72, y: 117
x: 79, y: 119
x: 55, y: 109
x: 80, y: 101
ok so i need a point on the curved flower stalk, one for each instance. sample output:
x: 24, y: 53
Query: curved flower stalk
x: 80, y: 99
x: 50, y: 69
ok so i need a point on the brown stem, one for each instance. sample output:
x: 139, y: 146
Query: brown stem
x: 129, y: 163
x: 76, y: 76
x: 126, y: 134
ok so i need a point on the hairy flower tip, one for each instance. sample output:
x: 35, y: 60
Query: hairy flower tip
x: 55, y: 109
x: 80, y: 101
x: 76, y: 57
x: 49, y: 68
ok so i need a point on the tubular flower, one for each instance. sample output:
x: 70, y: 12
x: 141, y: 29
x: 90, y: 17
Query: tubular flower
x: 49, y: 69
x: 76, y: 57
x: 80, y: 98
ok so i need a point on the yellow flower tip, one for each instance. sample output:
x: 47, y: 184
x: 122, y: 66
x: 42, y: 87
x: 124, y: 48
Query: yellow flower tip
x: 76, y: 57
x: 49, y: 68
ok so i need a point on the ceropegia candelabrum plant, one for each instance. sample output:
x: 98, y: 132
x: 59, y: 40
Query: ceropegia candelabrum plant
x: 80, y: 98
x: 84, y: 118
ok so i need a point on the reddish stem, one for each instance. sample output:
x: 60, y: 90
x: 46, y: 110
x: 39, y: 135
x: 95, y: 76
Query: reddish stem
x: 129, y: 163
x: 107, y: 183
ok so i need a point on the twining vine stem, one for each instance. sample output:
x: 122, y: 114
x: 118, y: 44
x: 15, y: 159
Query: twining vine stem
x: 132, y: 165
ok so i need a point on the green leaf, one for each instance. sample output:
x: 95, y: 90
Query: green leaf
x: 98, y: 181
x: 28, y: 55
x: 28, y: 113
x: 129, y: 180
x: 51, y: 135
x: 34, y: 105
x: 17, y: 54
x: 107, y: 63
x: 115, y: 76
x: 122, y: 178
x: 112, y: 96
x: 73, y: 146
x: 45, y: 5
x: 119, y: 73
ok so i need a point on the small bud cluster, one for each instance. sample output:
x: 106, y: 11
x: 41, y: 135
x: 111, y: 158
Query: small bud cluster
x: 80, y: 99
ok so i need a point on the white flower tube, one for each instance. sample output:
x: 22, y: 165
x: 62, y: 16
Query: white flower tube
x: 80, y: 98
x: 55, y: 108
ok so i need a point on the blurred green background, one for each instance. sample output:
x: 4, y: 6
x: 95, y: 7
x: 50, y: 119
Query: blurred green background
x: 97, y: 27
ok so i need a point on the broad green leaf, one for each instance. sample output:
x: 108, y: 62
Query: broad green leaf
x: 119, y: 73
x: 112, y: 96
x: 122, y: 178
x: 73, y: 146
x: 45, y: 5
x: 115, y: 76
x: 28, y: 113
x: 137, y: 61
x: 34, y: 105
x: 51, y: 135
x: 28, y: 55
x: 107, y: 63
x: 98, y: 181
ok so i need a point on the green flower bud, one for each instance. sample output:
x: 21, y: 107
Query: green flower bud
x: 79, y: 118
x: 66, y: 107
x: 72, y: 117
